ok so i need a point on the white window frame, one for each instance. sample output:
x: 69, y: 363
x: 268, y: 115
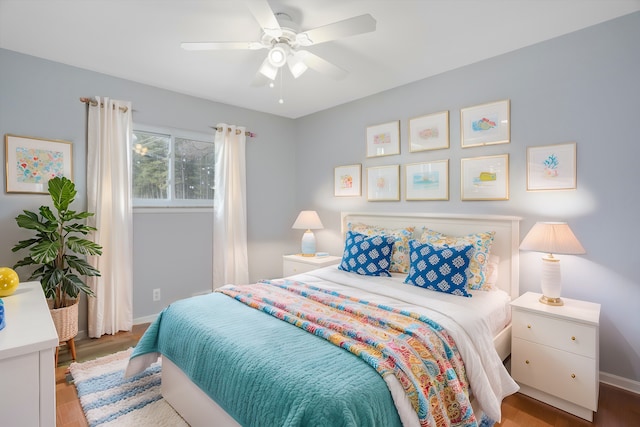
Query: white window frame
x: 171, y: 202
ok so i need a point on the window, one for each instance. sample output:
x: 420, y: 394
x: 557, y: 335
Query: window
x: 172, y: 168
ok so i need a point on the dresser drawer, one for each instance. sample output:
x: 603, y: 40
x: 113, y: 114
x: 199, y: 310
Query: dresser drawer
x: 571, y: 377
x: 562, y: 334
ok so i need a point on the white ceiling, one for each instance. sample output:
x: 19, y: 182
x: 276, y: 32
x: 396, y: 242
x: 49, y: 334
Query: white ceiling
x: 140, y: 40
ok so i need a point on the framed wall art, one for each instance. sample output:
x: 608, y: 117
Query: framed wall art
x: 383, y: 183
x: 384, y: 139
x: 427, y: 181
x: 485, y: 178
x: 430, y: 132
x: 31, y: 162
x: 347, y: 180
x: 551, y: 167
x: 485, y: 124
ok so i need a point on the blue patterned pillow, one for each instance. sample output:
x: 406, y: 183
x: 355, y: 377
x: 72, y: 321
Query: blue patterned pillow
x: 367, y: 255
x: 440, y: 269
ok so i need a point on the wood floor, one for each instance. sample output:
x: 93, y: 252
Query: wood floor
x: 616, y: 407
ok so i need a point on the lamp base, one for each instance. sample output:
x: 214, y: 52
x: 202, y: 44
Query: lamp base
x: 550, y: 301
x: 308, y: 244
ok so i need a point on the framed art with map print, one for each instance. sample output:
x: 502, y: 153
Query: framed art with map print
x: 427, y: 181
x: 485, y: 178
x: 430, y: 132
x: 551, y: 167
x: 383, y: 183
x: 384, y: 139
x: 485, y: 124
x: 347, y: 180
x: 32, y: 162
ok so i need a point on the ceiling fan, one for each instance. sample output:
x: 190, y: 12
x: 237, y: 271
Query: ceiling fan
x: 281, y: 37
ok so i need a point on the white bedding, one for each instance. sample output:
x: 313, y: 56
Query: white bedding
x: 472, y: 322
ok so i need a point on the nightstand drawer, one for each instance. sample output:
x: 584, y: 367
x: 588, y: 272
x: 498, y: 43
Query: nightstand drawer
x: 291, y: 267
x: 297, y: 264
x: 565, y: 335
x: 565, y: 375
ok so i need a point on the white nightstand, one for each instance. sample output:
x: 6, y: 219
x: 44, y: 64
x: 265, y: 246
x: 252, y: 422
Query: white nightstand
x: 297, y: 264
x: 555, y: 352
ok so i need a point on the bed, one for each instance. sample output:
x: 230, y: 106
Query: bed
x: 339, y: 388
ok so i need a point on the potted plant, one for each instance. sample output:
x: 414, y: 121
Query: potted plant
x: 57, y: 251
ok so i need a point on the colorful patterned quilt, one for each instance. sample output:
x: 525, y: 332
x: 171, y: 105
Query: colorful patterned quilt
x: 416, y: 350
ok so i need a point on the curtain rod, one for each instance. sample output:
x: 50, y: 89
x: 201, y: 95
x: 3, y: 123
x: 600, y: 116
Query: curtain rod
x: 247, y: 133
x: 93, y: 102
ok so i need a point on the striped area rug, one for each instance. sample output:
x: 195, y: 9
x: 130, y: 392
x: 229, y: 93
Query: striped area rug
x: 108, y: 399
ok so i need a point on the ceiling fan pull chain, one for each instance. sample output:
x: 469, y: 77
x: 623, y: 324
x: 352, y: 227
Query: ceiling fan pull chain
x: 281, y: 100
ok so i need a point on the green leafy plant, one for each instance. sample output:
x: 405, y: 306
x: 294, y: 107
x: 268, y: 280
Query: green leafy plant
x: 57, y: 248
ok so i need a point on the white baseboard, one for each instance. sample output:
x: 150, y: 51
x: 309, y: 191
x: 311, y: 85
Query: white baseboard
x: 146, y: 319
x: 620, y: 382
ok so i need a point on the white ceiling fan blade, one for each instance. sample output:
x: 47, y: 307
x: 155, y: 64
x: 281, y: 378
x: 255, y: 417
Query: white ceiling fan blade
x: 261, y: 10
x: 321, y: 65
x: 346, y: 28
x: 221, y: 45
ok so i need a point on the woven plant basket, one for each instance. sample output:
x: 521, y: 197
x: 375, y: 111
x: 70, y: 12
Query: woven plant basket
x: 66, y: 321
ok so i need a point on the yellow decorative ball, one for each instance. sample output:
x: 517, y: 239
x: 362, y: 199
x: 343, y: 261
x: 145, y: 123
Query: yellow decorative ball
x: 8, y: 281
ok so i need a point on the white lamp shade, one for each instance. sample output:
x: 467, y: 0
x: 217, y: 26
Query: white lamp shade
x: 552, y: 238
x: 308, y: 220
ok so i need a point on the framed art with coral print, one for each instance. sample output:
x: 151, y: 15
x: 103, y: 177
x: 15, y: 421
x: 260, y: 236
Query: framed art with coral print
x: 551, y: 167
x: 32, y: 162
x: 346, y: 180
x: 430, y: 132
x: 485, y: 124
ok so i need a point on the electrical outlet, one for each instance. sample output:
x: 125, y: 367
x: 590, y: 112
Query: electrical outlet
x: 156, y: 294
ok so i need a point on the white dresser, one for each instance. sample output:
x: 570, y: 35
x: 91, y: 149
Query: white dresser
x: 297, y: 264
x: 27, y: 351
x: 555, y: 352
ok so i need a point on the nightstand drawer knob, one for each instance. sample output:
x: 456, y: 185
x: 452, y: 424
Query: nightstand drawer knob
x: 528, y: 326
x: 573, y: 375
x: 573, y: 338
x: 526, y: 361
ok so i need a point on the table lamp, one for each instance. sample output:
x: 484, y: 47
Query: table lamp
x: 308, y: 220
x: 552, y: 238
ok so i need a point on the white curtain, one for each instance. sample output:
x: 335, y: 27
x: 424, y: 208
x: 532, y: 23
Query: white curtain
x: 109, y: 197
x: 230, y: 261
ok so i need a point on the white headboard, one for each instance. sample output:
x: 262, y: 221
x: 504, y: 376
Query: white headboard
x: 505, y: 243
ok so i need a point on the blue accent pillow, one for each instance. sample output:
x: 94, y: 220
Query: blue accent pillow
x: 441, y: 269
x: 367, y: 255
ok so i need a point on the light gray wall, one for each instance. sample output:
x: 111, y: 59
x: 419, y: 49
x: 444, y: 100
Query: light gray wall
x: 172, y: 251
x: 583, y: 87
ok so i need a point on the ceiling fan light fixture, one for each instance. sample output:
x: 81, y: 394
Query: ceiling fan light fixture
x: 278, y: 54
x: 296, y: 66
x: 268, y: 70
